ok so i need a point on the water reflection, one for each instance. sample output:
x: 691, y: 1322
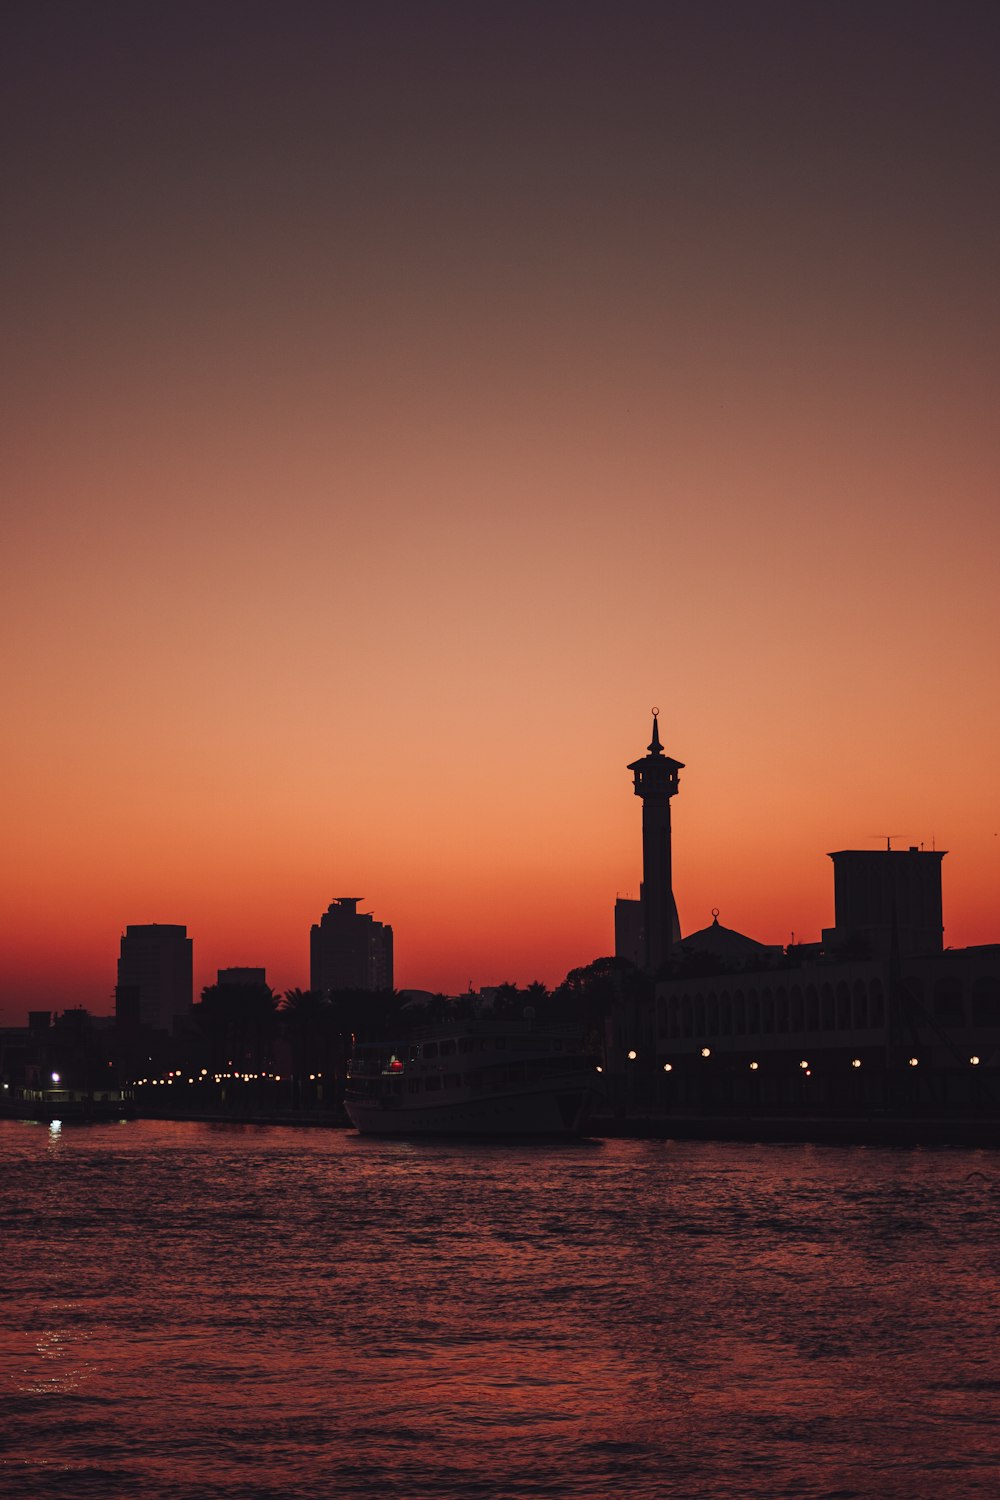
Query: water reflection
x: 304, y: 1315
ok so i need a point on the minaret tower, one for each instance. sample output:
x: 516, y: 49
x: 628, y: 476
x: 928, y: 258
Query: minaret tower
x: 656, y: 780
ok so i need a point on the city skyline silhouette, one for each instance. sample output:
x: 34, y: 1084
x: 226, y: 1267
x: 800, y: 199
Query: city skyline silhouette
x: 403, y: 399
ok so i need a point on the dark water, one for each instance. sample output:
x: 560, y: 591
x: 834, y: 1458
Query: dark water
x: 217, y: 1311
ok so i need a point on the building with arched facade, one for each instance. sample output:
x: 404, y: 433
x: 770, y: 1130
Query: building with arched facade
x: 879, y: 1014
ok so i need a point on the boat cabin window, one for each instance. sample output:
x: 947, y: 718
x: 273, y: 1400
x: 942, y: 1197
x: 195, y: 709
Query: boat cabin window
x: 451, y: 1081
x: 431, y: 1083
x: 448, y: 1047
x: 430, y: 1049
x: 466, y: 1044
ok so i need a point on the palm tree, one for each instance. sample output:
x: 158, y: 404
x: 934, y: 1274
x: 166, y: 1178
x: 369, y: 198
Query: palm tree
x: 307, y: 1017
x: 238, y: 1021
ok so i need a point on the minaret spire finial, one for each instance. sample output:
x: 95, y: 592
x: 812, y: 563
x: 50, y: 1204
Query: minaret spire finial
x: 654, y: 745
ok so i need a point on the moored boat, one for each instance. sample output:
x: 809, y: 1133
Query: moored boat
x: 479, y: 1077
x: 71, y: 1106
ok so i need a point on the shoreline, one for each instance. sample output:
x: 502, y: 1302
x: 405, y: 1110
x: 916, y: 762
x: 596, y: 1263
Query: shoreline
x: 828, y: 1130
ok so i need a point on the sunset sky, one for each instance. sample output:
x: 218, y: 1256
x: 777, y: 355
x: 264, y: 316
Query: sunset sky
x: 402, y: 398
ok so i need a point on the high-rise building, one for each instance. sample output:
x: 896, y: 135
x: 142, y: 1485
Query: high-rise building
x: 645, y: 930
x: 349, y: 950
x: 155, y: 975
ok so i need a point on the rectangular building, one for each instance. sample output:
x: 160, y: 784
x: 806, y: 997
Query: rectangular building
x: 155, y: 976
x: 349, y: 950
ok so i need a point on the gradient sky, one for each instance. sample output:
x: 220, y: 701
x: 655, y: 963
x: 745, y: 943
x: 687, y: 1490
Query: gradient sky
x: 400, y: 399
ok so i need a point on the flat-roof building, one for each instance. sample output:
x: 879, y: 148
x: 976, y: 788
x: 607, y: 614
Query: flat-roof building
x: 349, y: 950
x: 155, y: 975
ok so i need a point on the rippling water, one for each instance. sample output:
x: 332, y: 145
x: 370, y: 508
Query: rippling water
x: 224, y: 1311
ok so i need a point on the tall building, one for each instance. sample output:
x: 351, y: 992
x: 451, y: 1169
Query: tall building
x: 155, y: 975
x: 645, y: 930
x: 349, y: 950
x: 885, y: 899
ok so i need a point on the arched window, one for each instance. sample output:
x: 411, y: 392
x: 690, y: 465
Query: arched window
x: 726, y: 1015
x: 812, y: 1008
x: 713, y: 1016
x: 686, y: 1015
x: 795, y: 1019
x: 740, y: 1009
x: 948, y: 1007
x: 876, y: 1009
x: 843, y: 1006
x: 753, y: 1013
x: 826, y: 1007
x: 781, y: 1010
x: 699, y: 1015
x: 986, y: 1001
x: 860, y: 1005
x: 914, y: 1006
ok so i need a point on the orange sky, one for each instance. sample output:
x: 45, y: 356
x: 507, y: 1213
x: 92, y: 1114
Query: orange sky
x: 401, y: 400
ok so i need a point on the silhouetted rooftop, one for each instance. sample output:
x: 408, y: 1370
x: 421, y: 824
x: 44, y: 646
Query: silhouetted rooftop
x: 721, y: 942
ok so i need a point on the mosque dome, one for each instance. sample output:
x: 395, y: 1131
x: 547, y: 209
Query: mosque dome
x: 717, y: 941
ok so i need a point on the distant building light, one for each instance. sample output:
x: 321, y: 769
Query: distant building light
x: 804, y: 1064
x: 913, y: 1061
x: 754, y: 1066
x: 706, y: 1051
x: 668, y: 1067
x: 599, y: 1068
x: 632, y: 1055
x: 855, y: 1062
x: 974, y: 1060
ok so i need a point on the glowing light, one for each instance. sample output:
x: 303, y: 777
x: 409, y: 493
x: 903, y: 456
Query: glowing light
x: 803, y: 1064
x: 312, y: 1077
x: 55, y: 1127
x: 668, y: 1067
x: 56, y: 1078
x: 599, y: 1068
x: 706, y: 1051
x: 974, y: 1060
x: 632, y: 1056
x: 855, y: 1062
x: 754, y: 1066
x: 913, y: 1061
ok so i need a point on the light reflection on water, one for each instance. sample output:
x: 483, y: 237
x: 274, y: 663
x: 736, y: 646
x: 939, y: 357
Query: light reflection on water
x: 222, y: 1311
